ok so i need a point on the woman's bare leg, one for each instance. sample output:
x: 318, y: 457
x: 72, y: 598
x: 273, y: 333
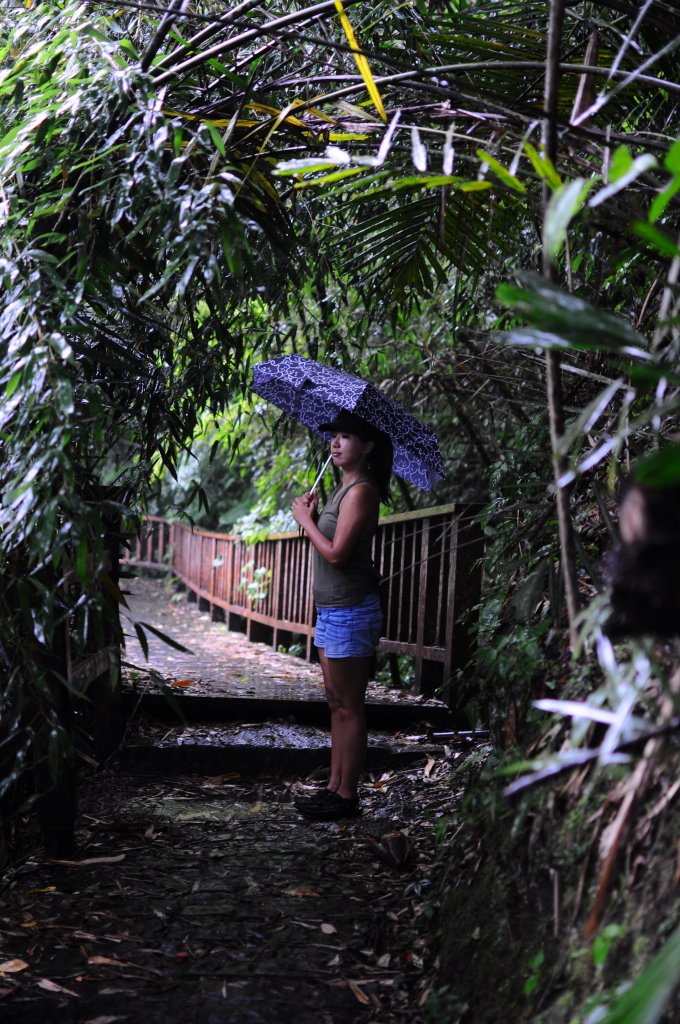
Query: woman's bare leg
x: 346, y: 680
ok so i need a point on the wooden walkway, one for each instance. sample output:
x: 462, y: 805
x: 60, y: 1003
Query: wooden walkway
x: 221, y: 676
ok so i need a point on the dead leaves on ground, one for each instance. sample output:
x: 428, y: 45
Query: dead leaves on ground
x: 343, y: 903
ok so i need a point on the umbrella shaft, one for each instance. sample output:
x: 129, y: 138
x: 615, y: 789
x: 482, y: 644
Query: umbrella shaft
x: 323, y: 470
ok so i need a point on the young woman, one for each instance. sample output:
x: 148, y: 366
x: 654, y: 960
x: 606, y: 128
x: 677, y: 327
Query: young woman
x: 349, y: 620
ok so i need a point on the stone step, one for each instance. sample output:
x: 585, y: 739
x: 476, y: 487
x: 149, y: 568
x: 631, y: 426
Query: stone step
x: 270, y: 748
x: 411, y: 715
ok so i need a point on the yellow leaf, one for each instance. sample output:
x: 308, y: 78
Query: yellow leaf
x: 362, y: 63
x: 12, y: 966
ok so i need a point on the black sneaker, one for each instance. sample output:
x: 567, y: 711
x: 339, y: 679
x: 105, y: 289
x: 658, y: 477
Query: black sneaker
x: 331, y: 808
x: 318, y: 797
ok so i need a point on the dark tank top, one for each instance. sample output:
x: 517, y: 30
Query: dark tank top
x: 336, y: 587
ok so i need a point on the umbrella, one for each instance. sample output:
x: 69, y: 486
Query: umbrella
x: 314, y: 394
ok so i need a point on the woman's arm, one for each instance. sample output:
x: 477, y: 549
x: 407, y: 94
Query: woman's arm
x: 358, y: 514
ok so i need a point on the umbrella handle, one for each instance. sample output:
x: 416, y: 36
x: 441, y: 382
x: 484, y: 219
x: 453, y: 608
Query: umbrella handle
x: 323, y: 470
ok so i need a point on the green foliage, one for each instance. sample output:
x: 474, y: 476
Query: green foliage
x: 255, y: 581
x: 603, y: 943
x: 535, y: 971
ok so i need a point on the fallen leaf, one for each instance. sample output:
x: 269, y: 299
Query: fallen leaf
x: 427, y: 770
x: 104, y: 1020
x: 182, y: 682
x: 90, y: 860
x: 300, y: 892
x: 328, y: 929
x: 13, y: 966
x: 51, y: 986
x: 35, y: 892
x: 358, y: 992
x: 107, y: 960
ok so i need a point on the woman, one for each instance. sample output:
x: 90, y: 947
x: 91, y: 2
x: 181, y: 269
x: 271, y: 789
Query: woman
x: 349, y: 620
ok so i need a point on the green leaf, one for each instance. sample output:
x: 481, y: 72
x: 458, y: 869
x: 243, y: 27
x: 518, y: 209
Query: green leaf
x: 164, y: 637
x: 543, y: 166
x: 641, y: 164
x: 660, y: 241
x: 328, y: 179
x: 620, y: 163
x: 217, y: 139
x: 649, y: 995
x: 505, y: 176
x: 664, y: 198
x: 660, y: 469
x: 141, y: 637
x: 13, y: 384
x: 571, y: 319
x: 565, y: 203
x: 127, y: 46
x: 82, y: 560
x: 672, y: 159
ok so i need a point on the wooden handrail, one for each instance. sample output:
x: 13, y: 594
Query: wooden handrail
x: 430, y: 562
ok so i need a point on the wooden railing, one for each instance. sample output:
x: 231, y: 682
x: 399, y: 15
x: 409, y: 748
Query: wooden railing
x: 430, y: 562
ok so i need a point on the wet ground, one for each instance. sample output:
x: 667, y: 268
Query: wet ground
x: 203, y: 895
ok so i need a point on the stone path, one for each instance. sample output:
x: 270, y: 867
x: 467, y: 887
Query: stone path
x: 220, y: 662
x: 198, y: 893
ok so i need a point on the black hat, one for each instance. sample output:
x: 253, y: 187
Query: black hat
x: 349, y: 423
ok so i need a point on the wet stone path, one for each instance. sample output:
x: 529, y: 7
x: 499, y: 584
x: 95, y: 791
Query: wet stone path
x: 205, y: 896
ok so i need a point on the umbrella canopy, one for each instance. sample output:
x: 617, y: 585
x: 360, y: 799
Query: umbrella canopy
x: 314, y: 394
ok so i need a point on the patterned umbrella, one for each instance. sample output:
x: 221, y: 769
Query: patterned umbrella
x: 314, y: 394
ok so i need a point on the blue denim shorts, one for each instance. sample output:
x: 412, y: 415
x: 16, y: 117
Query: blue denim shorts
x: 351, y: 632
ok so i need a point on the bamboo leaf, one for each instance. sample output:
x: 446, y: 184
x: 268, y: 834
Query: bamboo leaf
x: 543, y: 166
x: 660, y: 241
x: 589, y: 416
x: 641, y: 164
x: 565, y: 203
x: 649, y: 995
x: 552, y: 309
x: 505, y: 176
x: 164, y: 637
x: 362, y: 63
x: 418, y: 151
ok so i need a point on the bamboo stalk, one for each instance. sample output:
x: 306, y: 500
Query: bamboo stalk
x: 552, y: 359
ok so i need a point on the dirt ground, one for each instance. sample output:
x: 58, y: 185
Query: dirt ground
x: 208, y: 897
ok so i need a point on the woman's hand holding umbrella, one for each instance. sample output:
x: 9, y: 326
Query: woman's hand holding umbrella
x: 304, y: 509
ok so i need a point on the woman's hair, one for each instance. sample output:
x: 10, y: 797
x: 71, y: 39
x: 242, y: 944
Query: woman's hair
x: 379, y: 463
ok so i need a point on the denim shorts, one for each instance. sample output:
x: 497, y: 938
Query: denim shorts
x: 351, y: 632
